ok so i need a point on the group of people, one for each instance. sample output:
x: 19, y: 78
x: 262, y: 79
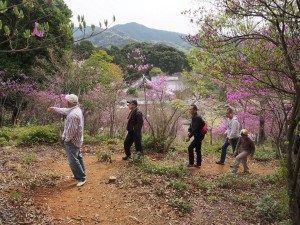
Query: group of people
x: 241, y: 143
x: 74, y: 125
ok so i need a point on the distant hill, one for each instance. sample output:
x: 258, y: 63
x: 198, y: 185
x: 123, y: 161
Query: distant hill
x: 120, y: 35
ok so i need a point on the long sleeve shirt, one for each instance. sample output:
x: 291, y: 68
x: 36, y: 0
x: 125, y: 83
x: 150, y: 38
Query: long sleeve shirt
x: 135, y: 121
x: 233, y: 128
x: 196, y: 126
x: 246, y: 144
x: 73, y: 127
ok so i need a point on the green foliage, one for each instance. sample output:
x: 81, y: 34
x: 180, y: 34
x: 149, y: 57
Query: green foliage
x: 18, y: 19
x: 100, y: 64
x: 181, y: 205
x: 38, y: 135
x: 268, y: 208
x: 28, y: 158
x: 15, y: 196
x: 153, y: 145
x: 155, y: 71
x: 28, y: 135
x: 264, y: 154
x: 104, y: 156
x: 168, y: 59
x: 83, y: 50
x: 227, y: 180
x: 178, y: 185
x: 173, y: 171
x: 132, y: 91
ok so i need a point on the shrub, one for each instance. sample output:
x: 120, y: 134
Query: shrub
x: 181, y: 205
x: 178, y: 185
x: 104, y: 156
x: 264, y: 154
x: 227, y: 180
x: 148, y: 167
x: 267, y: 207
x: 15, y: 196
x: 153, y: 145
x: 38, y: 135
x: 28, y: 159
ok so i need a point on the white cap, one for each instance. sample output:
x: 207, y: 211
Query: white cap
x: 72, y: 98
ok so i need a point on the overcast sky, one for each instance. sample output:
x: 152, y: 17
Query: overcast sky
x: 158, y: 14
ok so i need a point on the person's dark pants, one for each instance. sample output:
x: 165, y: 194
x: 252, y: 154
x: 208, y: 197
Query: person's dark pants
x: 195, y: 144
x: 130, y: 138
x: 234, y: 142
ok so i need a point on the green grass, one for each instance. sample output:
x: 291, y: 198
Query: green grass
x: 178, y: 185
x: 15, y: 196
x: 173, y: 171
x: 28, y: 158
x: 104, y: 156
x: 181, y: 205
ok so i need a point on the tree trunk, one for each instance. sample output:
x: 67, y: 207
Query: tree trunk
x: 14, y: 116
x: 261, y: 134
x: 1, y: 119
x: 112, y: 123
x: 293, y: 165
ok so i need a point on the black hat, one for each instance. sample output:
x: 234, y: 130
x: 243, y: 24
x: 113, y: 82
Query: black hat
x: 133, y: 102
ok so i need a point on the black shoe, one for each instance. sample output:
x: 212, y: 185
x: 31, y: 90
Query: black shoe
x: 220, y: 163
x: 126, y: 157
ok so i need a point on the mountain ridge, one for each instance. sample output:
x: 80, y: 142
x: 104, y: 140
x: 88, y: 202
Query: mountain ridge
x: 122, y: 34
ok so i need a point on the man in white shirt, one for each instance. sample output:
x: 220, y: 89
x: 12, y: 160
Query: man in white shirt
x: 232, y: 134
x: 73, y: 136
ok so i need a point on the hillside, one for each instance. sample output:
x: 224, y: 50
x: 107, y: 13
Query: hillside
x: 121, y: 35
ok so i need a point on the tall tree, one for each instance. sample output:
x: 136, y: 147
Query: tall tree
x: 261, y: 25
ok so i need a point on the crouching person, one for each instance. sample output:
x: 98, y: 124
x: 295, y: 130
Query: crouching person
x: 247, y: 149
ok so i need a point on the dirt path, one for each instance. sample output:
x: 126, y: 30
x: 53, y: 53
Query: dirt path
x: 110, y: 203
x: 97, y: 201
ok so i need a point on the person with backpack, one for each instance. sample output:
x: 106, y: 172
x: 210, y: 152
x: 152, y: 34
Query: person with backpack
x: 232, y: 134
x: 244, y: 148
x: 195, y: 130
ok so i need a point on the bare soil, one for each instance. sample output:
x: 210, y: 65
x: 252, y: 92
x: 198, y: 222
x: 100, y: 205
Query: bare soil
x: 133, y: 198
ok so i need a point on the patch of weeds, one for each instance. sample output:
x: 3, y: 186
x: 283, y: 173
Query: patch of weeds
x: 181, y: 205
x: 267, y: 207
x: 112, y: 141
x: 264, y: 154
x: 160, y: 191
x: 230, y: 180
x: 15, y: 196
x: 53, y: 175
x: 174, y: 171
x: 62, y: 151
x: 33, y: 185
x: 14, y: 166
x: 28, y: 159
x: 212, y: 198
x: 205, y: 186
x: 22, y: 175
x: 145, y: 180
x: 227, y: 180
x: 178, y: 185
x: 104, y: 156
x: 245, y: 199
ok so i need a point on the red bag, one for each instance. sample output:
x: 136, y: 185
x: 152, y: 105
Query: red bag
x: 204, y: 129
